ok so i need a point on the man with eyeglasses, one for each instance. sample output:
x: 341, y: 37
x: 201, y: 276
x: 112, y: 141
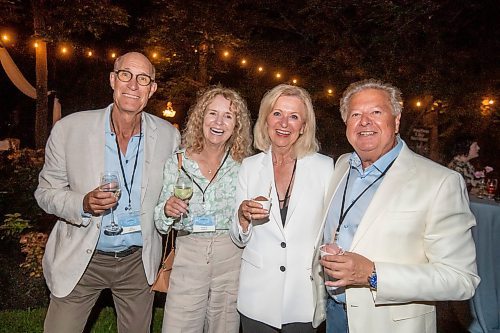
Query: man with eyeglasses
x: 104, y: 239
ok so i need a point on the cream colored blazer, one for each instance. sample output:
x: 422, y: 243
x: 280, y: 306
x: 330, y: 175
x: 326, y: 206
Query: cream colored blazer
x: 417, y: 231
x: 275, y: 279
x: 74, y: 158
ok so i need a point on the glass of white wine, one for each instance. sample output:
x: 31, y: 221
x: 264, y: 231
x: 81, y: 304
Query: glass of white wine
x: 110, y: 182
x: 183, y: 189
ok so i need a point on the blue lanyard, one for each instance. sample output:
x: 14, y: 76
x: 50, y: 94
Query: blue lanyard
x: 129, y: 190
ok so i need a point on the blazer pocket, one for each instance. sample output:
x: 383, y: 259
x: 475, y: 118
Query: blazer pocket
x: 252, y: 257
x: 407, y: 311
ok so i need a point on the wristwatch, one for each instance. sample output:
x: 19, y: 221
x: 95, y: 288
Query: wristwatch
x: 372, y: 279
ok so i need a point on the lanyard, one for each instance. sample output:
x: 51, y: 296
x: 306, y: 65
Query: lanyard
x: 211, y: 180
x: 342, y: 213
x: 287, y: 196
x: 129, y: 190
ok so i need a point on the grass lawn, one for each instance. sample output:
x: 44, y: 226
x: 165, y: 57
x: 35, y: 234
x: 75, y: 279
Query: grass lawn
x: 31, y: 321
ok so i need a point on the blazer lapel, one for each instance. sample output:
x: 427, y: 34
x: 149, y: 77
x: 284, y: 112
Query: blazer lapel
x: 97, y: 145
x: 396, y: 178
x: 150, y: 137
x: 266, y: 176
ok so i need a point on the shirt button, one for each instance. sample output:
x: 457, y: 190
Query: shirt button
x: 98, y: 225
x: 283, y: 244
x: 89, y: 251
x: 346, y: 226
x: 282, y: 268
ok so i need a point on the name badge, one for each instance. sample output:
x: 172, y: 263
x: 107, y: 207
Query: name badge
x: 204, y: 223
x: 130, y: 222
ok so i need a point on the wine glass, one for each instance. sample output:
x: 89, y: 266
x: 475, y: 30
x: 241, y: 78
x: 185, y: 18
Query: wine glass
x: 326, y: 250
x: 491, y: 187
x: 183, y: 189
x: 110, y: 182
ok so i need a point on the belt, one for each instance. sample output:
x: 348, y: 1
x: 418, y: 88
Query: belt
x: 120, y: 254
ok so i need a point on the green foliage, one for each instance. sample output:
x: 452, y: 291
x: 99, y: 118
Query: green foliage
x: 13, y: 226
x: 19, y: 171
x: 32, y: 321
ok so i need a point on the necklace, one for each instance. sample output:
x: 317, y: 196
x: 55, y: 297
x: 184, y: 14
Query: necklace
x: 282, y: 162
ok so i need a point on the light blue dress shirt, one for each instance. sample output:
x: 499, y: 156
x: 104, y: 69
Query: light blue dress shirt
x: 112, y: 163
x: 359, y: 180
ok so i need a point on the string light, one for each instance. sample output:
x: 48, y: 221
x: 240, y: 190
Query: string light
x: 65, y: 50
x: 419, y: 104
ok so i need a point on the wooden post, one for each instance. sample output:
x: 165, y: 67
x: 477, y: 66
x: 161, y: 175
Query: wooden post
x: 41, y: 116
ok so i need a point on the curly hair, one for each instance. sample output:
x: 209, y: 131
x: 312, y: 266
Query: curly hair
x: 306, y: 143
x: 240, y: 141
x: 354, y: 88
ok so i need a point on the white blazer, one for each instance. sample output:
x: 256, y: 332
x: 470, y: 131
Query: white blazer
x: 275, y: 279
x: 74, y: 158
x: 417, y: 231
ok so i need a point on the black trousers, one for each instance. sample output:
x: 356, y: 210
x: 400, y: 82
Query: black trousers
x: 254, y: 326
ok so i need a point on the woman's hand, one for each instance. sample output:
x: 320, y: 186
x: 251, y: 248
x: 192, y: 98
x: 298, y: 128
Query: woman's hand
x: 175, y: 207
x: 249, y: 211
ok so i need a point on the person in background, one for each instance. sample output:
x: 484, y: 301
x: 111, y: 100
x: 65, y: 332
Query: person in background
x: 276, y: 293
x: 81, y: 257
x: 403, y: 220
x: 204, y: 278
x: 465, y: 149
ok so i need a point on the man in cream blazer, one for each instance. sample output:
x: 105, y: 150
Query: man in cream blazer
x: 412, y: 243
x: 77, y: 152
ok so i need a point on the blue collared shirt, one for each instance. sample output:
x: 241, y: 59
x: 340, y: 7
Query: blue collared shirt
x: 112, y: 163
x: 359, y: 180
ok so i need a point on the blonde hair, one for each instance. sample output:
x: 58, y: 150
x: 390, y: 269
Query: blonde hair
x: 241, y: 139
x: 306, y: 143
x: 394, y: 95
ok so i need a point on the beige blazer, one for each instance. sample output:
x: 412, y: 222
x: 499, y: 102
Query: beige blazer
x: 74, y: 158
x: 275, y: 279
x: 417, y: 231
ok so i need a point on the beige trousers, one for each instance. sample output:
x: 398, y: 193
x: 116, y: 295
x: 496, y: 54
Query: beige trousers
x: 127, y: 281
x: 203, y: 286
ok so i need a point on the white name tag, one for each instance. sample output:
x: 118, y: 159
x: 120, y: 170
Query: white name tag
x: 130, y: 222
x: 204, y: 223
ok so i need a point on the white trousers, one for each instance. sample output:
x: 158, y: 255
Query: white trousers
x: 203, y: 286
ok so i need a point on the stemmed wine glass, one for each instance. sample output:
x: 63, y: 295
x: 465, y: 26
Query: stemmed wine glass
x: 110, y: 182
x: 491, y: 187
x: 183, y: 189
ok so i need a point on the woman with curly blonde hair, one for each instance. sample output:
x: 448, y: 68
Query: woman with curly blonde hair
x: 204, y: 280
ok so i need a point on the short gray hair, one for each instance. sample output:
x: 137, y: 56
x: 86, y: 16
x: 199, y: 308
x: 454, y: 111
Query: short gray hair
x: 394, y: 95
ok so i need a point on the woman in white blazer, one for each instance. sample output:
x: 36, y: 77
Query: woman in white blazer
x: 276, y: 291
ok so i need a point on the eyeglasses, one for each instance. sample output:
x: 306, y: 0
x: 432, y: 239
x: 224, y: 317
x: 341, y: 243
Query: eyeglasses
x: 125, y: 76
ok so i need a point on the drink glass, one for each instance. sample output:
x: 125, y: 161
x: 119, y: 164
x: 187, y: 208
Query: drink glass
x: 327, y: 250
x: 183, y: 189
x: 265, y: 202
x: 491, y: 187
x: 110, y: 182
